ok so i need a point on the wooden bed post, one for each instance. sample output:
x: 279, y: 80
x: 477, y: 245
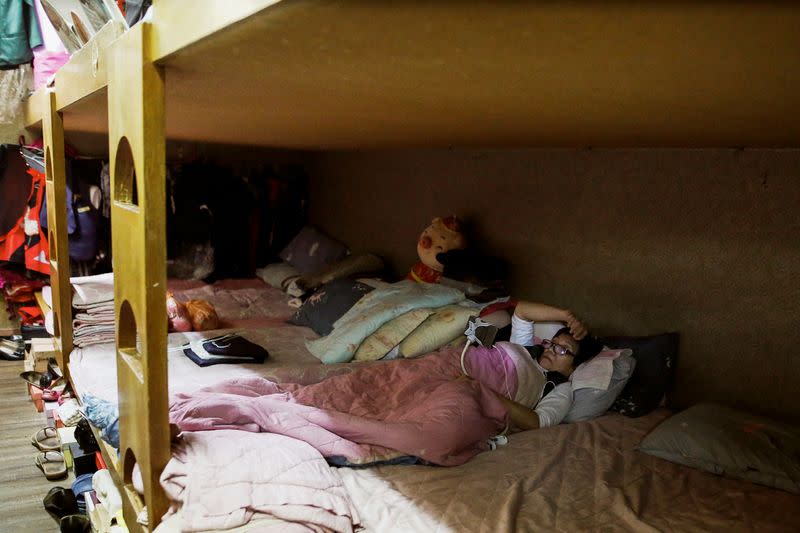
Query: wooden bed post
x: 138, y: 214
x: 56, y: 191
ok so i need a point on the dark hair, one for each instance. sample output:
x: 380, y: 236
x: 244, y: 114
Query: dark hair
x: 588, y: 347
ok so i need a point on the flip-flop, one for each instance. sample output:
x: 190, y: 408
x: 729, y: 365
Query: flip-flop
x: 46, y: 439
x: 52, y: 465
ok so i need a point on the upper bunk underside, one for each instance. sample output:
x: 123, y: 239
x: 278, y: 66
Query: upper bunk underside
x: 339, y: 75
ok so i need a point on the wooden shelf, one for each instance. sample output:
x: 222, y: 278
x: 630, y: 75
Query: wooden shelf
x: 342, y: 75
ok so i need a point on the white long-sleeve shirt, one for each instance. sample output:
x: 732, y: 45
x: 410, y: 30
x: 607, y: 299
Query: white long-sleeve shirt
x: 555, y: 405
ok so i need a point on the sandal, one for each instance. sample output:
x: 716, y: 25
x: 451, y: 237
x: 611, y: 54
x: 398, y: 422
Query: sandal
x: 46, y: 439
x: 52, y: 465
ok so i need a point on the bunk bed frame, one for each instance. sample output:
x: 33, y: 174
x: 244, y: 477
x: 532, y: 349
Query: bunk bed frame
x: 337, y: 75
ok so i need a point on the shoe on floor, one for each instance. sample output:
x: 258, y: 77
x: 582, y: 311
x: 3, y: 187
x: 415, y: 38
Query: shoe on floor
x: 11, y: 354
x: 37, y: 379
x: 75, y: 523
x: 60, y: 502
x: 52, y: 465
x: 46, y: 439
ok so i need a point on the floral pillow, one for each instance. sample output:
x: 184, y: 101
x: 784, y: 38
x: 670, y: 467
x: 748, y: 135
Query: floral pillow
x: 328, y: 304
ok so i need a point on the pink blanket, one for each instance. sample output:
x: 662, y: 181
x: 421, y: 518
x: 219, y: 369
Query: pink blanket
x: 211, y: 476
x: 379, y: 412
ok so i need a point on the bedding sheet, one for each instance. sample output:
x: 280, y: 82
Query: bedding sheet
x: 399, y: 408
x: 251, y: 308
x: 584, y: 476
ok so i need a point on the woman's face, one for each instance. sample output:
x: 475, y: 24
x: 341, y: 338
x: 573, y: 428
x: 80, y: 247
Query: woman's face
x: 553, y: 362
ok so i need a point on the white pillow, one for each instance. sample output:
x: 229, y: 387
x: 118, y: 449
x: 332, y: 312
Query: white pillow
x: 588, y: 403
x: 280, y: 275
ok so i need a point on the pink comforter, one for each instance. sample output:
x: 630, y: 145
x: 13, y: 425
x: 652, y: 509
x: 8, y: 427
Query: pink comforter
x: 378, y: 412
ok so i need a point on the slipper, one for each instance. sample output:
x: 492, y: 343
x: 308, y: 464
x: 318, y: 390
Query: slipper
x: 46, y: 439
x: 37, y: 379
x: 52, y: 465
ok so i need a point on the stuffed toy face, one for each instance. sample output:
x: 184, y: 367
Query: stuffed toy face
x: 442, y: 235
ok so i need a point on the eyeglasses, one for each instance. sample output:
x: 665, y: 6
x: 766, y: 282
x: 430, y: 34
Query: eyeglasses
x: 557, y: 348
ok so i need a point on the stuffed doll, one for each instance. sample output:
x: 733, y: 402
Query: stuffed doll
x: 442, y: 235
x: 194, y: 315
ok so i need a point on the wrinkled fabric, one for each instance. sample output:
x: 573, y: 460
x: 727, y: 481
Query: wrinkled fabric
x: 376, y: 413
x: 211, y: 478
x: 105, y: 416
x: 19, y: 32
x: 375, y: 309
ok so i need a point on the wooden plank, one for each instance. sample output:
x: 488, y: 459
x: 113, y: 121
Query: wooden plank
x: 343, y: 75
x: 138, y: 226
x: 42, y: 303
x: 57, y: 236
x: 23, y: 484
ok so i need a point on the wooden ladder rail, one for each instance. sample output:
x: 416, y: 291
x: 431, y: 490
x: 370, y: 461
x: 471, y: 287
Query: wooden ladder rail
x: 58, y: 243
x: 138, y: 217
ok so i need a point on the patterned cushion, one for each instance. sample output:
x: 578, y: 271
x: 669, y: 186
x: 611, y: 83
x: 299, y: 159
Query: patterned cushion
x: 328, y: 303
x: 655, y: 366
x: 390, y: 334
x: 445, y: 325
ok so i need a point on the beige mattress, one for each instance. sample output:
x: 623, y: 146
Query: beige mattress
x: 255, y: 310
x: 576, y: 477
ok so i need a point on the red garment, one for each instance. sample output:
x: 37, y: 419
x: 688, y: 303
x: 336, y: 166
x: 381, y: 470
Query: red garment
x: 423, y: 273
x: 30, y: 250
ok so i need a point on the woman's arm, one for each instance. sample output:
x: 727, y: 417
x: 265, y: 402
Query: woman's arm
x: 521, y: 417
x: 536, y: 312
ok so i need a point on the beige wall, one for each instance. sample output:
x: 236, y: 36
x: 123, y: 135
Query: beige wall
x: 705, y: 242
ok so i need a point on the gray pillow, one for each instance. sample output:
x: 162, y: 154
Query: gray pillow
x: 588, y: 403
x: 730, y: 443
x: 311, y: 251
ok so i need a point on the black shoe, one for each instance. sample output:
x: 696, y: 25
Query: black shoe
x: 37, y: 379
x: 75, y: 523
x: 60, y: 502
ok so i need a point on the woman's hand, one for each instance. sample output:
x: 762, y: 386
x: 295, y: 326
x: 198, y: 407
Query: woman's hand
x: 577, y: 329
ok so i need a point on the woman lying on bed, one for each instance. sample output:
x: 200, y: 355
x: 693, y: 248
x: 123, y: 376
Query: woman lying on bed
x: 569, y: 347
x: 408, y: 407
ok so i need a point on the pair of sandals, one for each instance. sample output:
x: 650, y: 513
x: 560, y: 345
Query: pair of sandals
x: 51, y: 461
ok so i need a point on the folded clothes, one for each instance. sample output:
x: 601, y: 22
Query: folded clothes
x: 230, y: 348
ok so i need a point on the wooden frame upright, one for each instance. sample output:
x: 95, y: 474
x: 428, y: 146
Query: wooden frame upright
x: 138, y: 224
x: 56, y: 191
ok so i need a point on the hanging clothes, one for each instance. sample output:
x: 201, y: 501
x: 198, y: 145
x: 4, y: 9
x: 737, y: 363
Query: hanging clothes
x: 26, y: 243
x: 19, y: 33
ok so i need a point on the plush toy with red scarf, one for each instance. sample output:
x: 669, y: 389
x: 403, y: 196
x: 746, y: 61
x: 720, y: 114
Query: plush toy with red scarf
x: 442, y: 235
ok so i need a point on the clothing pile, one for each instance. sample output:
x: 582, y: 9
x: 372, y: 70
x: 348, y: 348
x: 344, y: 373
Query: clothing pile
x: 94, y: 309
